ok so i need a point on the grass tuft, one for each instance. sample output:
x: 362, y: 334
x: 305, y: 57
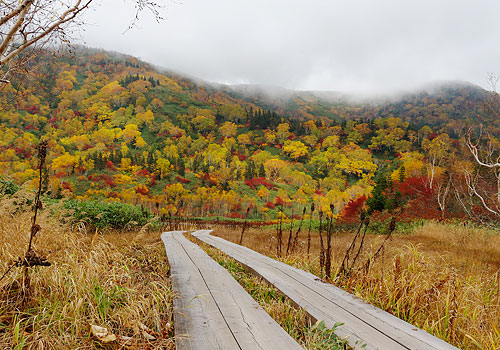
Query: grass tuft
x: 116, y: 281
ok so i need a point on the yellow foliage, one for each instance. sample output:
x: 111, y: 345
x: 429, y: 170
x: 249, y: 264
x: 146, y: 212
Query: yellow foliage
x: 295, y: 149
x: 121, y: 179
x: 125, y: 163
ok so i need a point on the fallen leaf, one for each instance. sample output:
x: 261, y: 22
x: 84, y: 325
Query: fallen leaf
x: 102, y: 334
x: 145, y: 331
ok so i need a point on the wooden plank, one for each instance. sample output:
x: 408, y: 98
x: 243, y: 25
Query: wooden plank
x: 363, y: 323
x: 211, y: 309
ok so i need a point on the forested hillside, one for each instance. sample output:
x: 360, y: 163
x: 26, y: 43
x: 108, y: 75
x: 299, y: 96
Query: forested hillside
x: 121, y: 130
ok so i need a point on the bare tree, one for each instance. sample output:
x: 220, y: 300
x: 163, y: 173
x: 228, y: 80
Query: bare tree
x: 483, y: 182
x: 27, y: 26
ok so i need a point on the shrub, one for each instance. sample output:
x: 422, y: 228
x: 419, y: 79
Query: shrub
x: 270, y: 205
x: 7, y: 187
x: 101, y: 214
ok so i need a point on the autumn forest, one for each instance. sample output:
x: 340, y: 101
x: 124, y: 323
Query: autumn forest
x: 119, y: 130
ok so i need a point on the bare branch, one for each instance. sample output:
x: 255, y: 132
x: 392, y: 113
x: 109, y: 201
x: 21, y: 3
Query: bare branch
x: 14, y: 29
x: 474, y: 149
x: 16, y: 12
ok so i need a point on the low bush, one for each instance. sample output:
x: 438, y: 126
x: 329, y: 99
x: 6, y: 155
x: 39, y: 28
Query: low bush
x: 100, y: 214
x: 7, y: 187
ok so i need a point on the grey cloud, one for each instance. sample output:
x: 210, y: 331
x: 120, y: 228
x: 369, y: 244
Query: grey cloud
x: 354, y: 46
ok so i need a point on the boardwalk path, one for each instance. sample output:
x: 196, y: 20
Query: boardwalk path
x: 211, y: 309
x: 363, y: 323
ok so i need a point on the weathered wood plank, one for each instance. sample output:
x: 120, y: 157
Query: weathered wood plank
x: 211, y: 309
x: 363, y: 323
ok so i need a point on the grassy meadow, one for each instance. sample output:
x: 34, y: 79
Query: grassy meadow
x: 441, y: 277
x: 118, y: 281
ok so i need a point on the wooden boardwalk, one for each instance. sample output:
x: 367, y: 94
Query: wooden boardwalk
x: 211, y: 309
x: 363, y: 323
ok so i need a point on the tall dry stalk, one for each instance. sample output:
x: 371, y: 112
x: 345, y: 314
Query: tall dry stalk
x: 296, y: 238
x: 322, y: 245
x: 344, y: 268
x: 288, y: 244
x: 31, y: 259
x: 244, y: 227
x: 370, y: 260
x: 309, y: 232
x: 279, y: 232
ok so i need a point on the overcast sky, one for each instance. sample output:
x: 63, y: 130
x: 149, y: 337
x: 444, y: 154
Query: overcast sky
x: 340, y: 45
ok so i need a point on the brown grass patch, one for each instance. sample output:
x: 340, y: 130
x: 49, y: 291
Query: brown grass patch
x: 116, y: 281
x: 443, y: 278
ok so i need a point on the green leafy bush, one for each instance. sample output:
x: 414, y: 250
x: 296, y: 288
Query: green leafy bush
x: 101, y: 214
x: 7, y: 187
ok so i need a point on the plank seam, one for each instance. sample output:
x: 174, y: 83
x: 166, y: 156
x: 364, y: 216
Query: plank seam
x: 209, y: 290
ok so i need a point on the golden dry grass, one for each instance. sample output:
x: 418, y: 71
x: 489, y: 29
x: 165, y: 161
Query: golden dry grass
x: 116, y: 281
x: 443, y: 278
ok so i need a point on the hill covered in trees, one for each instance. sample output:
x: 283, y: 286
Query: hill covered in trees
x: 121, y: 130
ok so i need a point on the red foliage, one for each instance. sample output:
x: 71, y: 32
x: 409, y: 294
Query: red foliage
x: 67, y: 186
x: 79, y: 169
x: 242, y: 157
x: 352, y: 209
x: 278, y: 201
x: 33, y: 109
x: 257, y: 181
x: 432, y: 136
x: 415, y: 187
x: 421, y: 208
x: 270, y: 205
x: 182, y: 180
x: 108, y: 180
x: 110, y: 165
x: 31, y: 127
x: 143, y: 173
x: 142, y: 190
x: 60, y: 174
x: 113, y: 194
x: 319, y: 193
x: 236, y: 215
x: 152, y: 181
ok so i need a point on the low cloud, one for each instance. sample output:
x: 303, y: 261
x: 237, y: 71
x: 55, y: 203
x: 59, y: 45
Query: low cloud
x: 350, y: 46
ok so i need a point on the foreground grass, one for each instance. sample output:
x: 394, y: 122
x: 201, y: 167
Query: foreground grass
x: 440, y: 277
x: 293, y: 320
x: 113, y: 281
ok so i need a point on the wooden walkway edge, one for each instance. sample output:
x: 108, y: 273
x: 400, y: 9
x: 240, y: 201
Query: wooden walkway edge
x: 363, y: 323
x: 211, y: 309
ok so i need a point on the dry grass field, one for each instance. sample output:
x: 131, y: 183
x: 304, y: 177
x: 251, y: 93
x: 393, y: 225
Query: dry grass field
x: 441, y: 277
x: 117, y: 281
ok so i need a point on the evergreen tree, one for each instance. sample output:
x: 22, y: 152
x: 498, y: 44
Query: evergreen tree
x: 181, y: 166
x: 377, y: 201
x: 262, y: 171
x: 402, y: 174
x: 250, y: 174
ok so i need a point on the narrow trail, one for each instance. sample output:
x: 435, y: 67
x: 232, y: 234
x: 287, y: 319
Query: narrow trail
x: 211, y: 309
x: 365, y: 326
